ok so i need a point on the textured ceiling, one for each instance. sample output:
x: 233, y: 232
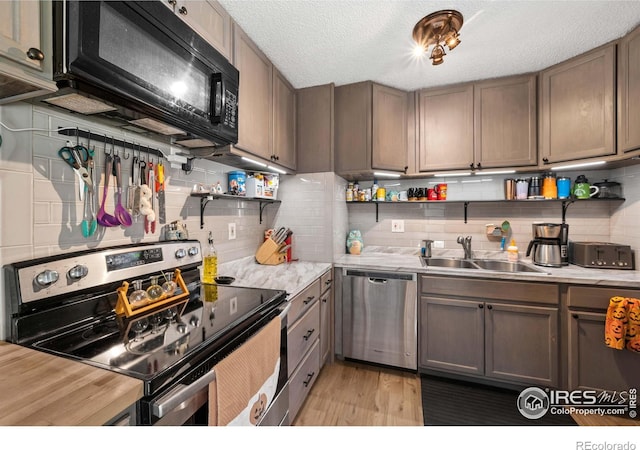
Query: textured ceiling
x: 315, y: 42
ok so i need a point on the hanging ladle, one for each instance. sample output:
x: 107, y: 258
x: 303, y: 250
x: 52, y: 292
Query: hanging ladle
x: 121, y: 212
x: 105, y: 219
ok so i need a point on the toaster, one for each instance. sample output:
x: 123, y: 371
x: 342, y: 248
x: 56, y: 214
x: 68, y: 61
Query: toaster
x: 602, y: 255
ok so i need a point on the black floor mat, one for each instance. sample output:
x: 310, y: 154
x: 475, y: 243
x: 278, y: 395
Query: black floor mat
x: 452, y: 402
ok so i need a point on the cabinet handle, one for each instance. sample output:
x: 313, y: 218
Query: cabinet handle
x: 309, y: 378
x: 308, y: 300
x: 489, y: 307
x: 183, y: 10
x: 172, y: 2
x: 545, y: 160
x: 406, y: 168
x: 479, y: 166
x: 324, y: 300
x: 480, y: 306
x: 575, y: 316
x: 471, y: 166
x: 309, y: 333
x: 328, y: 282
x: 35, y: 54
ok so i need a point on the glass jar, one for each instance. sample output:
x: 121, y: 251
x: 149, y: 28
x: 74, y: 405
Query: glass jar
x: 155, y: 290
x: 139, y: 296
x: 169, y: 286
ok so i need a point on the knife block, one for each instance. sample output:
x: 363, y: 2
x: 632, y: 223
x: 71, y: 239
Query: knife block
x: 269, y: 253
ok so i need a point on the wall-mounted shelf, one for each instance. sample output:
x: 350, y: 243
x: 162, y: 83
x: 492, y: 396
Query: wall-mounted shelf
x: 206, y: 197
x: 565, y: 203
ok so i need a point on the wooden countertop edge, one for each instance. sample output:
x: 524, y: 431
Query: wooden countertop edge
x: 37, y: 388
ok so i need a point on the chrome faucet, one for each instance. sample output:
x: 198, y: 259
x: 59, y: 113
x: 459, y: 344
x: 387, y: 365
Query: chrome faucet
x: 466, y: 246
x: 426, y: 248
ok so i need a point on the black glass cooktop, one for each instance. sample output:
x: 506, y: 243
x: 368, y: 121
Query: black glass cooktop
x: 165, y: 340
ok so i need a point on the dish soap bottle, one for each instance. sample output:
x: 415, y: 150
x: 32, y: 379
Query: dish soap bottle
x: 512, y: 251
x: 210, y: 266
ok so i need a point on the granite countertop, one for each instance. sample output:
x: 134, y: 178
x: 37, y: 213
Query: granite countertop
x: 403, y: 259
x: 291, y: 277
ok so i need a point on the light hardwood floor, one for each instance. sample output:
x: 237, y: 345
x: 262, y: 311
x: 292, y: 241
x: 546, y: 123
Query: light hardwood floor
x: 348, y: 393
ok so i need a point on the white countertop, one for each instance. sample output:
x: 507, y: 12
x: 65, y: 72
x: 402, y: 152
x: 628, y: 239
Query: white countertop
x: 404, y: 259
x: 291, y: 277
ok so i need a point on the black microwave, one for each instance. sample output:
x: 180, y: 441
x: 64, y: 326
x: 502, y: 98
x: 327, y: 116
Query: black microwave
x: 139, y: 63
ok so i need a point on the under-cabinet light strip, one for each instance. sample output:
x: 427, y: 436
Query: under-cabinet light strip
x: 577, y: 166
x: 254, y: 162
x: 387, y: 174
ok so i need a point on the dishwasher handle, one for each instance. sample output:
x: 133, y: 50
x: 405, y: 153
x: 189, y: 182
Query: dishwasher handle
x: 373, y: 275
x: 378, y: 280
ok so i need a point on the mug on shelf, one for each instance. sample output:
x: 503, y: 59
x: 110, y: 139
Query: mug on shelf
x: 432, y: 194
x: 564, y: 187
x: 584, y: 190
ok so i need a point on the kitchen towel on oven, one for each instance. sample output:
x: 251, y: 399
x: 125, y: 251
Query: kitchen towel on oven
x: 246, y: 380
x: 622, y: 324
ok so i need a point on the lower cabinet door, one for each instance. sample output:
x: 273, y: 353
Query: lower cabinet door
x: 452, y: 335
x: 593, y: 365
x: 303, y: 379
x: 521, y: 344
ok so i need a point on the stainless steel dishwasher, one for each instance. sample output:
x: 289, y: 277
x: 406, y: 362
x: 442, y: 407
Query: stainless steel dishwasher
x: 379, y: 317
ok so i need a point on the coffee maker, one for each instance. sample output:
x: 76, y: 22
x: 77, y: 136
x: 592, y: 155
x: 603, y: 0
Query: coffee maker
x: 549, y: 244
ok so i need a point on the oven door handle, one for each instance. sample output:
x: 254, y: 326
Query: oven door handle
x: 285, y: 311
x: 179, y: 394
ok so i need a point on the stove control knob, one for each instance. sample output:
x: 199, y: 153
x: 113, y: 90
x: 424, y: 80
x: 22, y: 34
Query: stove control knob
x: 193, y: 251
x: 181, y: 253
x: 182, y: 327
x: 194, y: 321
x: 47, y: 278
x: 78, y: 272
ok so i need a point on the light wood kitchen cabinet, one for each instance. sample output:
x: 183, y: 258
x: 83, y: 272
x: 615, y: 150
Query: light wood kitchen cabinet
x: 326, y: 317
x: 284, y: 122
x: 488, y: 333
x: 629, y: 92
x: 505, y: 123
x: 255, y: 102
x: 577, y: 107
x: 207, y: 18
x: 370, y: 129
x: 26, y: 54
x: 314, y: 129
x: 445, y: 128
x: 591, y: 364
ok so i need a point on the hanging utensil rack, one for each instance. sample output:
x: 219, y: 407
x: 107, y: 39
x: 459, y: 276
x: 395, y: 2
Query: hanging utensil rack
x: 117, y: 142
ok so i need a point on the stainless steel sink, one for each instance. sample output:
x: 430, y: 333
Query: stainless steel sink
x: 505, y: 266
x: 455, y: 263
x: 480, y: 264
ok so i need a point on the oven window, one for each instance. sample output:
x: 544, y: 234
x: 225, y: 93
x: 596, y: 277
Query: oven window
x: 126, y: 45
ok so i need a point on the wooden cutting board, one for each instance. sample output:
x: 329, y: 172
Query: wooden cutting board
x: 41, y: 389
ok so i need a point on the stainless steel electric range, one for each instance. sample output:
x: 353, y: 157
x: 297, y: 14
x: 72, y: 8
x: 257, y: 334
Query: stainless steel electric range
x: 66, y: 305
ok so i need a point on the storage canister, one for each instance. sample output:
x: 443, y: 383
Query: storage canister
x: 237, y: 183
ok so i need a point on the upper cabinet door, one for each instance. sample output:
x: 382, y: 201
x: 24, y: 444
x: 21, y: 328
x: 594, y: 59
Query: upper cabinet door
x: 506, y: 122
x: 577, y: 107
x: 389, y: 140
x: 26, y: 55
x: 284, y: 121
x: 353, y: 128
x: 629, y: 92
x: 254, y: 105
x: 314, y: 128
x: 445, y: 128
x: 209, y: 19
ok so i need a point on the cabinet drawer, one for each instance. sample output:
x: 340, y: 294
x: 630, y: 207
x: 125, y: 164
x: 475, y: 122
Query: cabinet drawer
x: 490, y: 289
x: 303, y: 301
x: 302, y: 336
x: 303, y: 379
x: 596, y: 297
x: 326, y: 280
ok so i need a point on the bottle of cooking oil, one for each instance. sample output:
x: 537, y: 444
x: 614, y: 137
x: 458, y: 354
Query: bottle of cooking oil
x: 210, y: 265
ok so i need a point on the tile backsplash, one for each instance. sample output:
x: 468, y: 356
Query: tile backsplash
x: 40, y: 212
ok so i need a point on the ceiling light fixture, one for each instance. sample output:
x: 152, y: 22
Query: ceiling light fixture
x: 438, y: 28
